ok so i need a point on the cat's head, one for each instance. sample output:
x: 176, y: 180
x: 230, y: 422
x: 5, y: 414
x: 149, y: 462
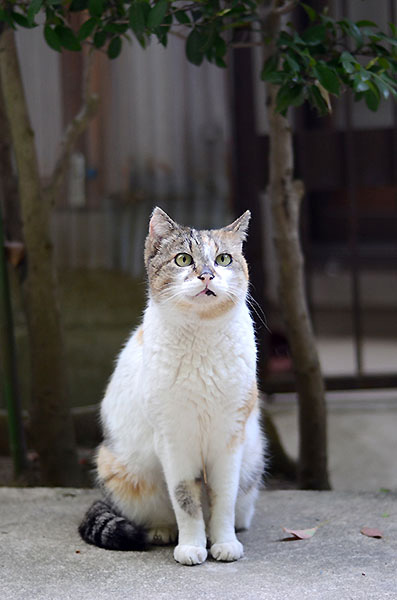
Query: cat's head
x: 198, y: 272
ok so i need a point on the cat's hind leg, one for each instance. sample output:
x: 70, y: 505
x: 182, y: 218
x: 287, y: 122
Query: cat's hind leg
x: 162, y: 535
x: 144, y: 502
x: 245, y: 507
x: 251, y: 473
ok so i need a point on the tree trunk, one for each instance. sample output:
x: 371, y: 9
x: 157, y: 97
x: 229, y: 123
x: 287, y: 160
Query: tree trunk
x: 285, y: 196
x: 51, y: 423
x: 9, y: 184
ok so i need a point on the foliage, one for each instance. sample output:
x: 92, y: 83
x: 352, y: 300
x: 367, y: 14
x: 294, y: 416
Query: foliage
x: 330, y: 56
x: 322, y: 59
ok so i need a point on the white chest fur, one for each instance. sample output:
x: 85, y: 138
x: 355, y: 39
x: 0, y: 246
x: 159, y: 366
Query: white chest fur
x: 199, y: 361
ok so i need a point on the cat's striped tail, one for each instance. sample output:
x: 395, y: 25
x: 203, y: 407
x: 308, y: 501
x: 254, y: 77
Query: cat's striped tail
x: 103, y: 526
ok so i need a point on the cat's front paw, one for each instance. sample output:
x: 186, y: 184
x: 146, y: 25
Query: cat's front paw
x: 227, y: 551
x: 190, y: 555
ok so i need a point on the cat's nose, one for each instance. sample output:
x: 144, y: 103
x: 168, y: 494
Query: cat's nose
x: 206, y: 274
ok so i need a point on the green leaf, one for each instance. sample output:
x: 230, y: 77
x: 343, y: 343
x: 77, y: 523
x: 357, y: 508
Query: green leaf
x: 381, y: 36
x: 87, y: 28
x: 194, y: 47
x: 356, y: 34
x: 365, y: 23
x: 220, y: 47
x: 270, y: 67
x: 372, y: 98
x: 328, y: 78
x: 100, y: 39
x: 67, y: 38
x: 289, y: 96
x: 20, y: 20
x: 384, y: 63
x: 353, y: 30
x: 52, y: 38
x: 360, y: 84
x: 278, y: 77
x: 316, y: 99
x: 220, y: 62
x: 33, y: 10
x: 382, y: 86
x: 315, y: 34
x: 157, y: 14
x: 114, y: 47
x: 292, y: 63
x: 311, y: 13
x: 348, y: 62
x: 119, y: 28
x: 96, y: 7
x: 78, y: 5
x: 138, y: 17
x: 182, y: 17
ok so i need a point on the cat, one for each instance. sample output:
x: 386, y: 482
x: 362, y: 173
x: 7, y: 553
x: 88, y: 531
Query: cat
x: 183, y: 451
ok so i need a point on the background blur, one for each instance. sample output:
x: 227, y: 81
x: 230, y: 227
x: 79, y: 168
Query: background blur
x: 194, y: 141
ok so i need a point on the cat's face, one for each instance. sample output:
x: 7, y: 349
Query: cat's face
x: 202, y: 272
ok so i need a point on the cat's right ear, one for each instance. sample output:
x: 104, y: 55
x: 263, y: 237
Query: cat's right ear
x: 160, y: 224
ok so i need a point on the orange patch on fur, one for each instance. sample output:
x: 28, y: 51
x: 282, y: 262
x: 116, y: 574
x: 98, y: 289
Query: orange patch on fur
x: 118, y: 480
x: 243, y: 414
x: 216, y: 310
x: 139, y: 336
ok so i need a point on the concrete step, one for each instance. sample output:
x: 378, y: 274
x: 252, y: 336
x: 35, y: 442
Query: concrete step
x: 43, y: 558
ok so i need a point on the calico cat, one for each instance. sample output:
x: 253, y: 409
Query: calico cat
x: 183, y: 450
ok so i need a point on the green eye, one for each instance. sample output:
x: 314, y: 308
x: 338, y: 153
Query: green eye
x: 183, y: 259
x: 223, y: 260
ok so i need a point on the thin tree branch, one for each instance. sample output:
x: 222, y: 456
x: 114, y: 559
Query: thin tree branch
x: 73, y: 131
x: 245, y: 44
x: 284, y: 8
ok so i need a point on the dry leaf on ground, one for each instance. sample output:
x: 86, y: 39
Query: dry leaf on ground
x: 301, y: 534
x: 371, y: 532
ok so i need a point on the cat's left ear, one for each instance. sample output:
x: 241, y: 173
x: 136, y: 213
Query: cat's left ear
x: 240, y: 226
x: 160, y: 224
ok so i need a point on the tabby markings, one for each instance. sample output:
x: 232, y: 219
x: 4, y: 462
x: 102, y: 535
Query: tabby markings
x: 187, y: 494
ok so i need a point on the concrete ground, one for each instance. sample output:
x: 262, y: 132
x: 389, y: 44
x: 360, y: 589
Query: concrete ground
x: 43, y: 558
x: 362, y: 438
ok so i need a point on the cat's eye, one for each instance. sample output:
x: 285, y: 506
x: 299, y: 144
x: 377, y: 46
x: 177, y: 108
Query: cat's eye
x: 223, y: 260
x: 183, y: 259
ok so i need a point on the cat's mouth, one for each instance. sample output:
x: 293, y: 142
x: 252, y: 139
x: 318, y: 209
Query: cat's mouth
x: 206, y: 292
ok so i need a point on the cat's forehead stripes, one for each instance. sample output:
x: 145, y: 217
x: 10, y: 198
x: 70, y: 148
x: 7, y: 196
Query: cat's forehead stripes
x: 205, y: 244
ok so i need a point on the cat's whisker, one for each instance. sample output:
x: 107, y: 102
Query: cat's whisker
x: 258, y: 310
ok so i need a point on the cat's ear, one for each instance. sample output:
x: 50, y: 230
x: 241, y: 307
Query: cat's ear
x: 160, y: 224
x: 240, y: 226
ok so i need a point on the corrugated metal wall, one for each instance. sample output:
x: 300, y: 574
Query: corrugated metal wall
x: 166, y: 140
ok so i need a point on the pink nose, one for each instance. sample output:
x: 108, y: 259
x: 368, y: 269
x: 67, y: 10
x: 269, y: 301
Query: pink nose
x: 206, y: 275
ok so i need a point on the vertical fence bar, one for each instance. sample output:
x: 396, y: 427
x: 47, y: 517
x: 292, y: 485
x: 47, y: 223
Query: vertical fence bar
x: 7, y: 367
x: 393, y: 19
x: 353, y: 242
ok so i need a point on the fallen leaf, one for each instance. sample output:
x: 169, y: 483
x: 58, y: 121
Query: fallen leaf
x: 301, y: 534
x: 372, y: 532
